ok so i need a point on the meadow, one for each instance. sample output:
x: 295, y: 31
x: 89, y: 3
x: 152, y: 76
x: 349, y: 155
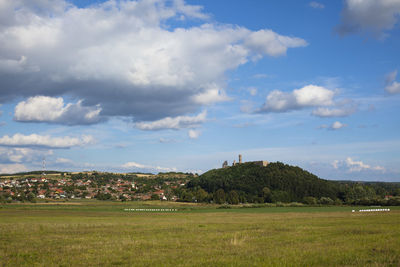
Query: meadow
x: 95, y: 233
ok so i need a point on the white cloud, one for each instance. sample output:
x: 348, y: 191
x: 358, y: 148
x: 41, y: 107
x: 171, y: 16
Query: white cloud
x: 194, y: 134
x: 308, y: 96
x: 267, y: 42
x: 35, y: 140
x: 314, y: 4
x: 369, y: 16
x: 392, y: 87
x: 337, y: 125
x: 332, y: 112
x: 135, y: 166
x: 12, y: 168
x: 130, y: 165
x: 125, y: 56
x: 355, y: 166
x: 21, y: 154
x: 173, y: 123
x: 334, y: 126
x: 190, y: 10
x: 210, y: 96
x: 53, y: 110
x: 341, y: 109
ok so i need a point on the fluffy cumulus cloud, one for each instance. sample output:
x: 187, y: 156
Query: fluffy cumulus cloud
x: 173, y: 123
x: 45, y: 141
x: 392, y: 87
x: 121, y: 58
x: 334, y: 126
x: 371, y: 16
x: 337, y: 125
x: 267, y: 42
x: 53, y: 110
x: 352, y: 165
x: 194, y: 134
x: 308, y: 96
x: 138, y: 166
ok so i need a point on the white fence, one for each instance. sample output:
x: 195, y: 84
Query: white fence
x: 156, y: 210
x: 371, y: 210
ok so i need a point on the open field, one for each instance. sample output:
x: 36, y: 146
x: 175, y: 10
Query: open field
x: 37, y: 176
x: 94, y: 233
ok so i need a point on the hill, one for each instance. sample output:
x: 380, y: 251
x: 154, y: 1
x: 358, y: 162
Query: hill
x: 279, y: 182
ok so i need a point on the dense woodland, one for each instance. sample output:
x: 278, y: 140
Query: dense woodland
x: 279, y: 182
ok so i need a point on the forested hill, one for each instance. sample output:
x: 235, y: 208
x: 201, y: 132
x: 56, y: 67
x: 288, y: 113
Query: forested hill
x: 285, y: 183
x: 281, y: 182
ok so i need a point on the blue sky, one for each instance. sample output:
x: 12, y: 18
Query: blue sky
x: 185, y: 85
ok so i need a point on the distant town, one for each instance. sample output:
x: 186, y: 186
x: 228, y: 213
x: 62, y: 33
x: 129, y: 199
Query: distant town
x: 92, y: 185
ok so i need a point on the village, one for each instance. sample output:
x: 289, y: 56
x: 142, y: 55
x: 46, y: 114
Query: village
x: 93, y: 185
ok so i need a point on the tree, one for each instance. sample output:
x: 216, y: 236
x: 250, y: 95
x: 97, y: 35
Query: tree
x: 326, y: 201
x: 201, y: 195
x: 155, y: 197
x: 266, y: 194
x: 30, y: 197
x: 233, y: 197
x: 219, y: 196
x: 280, y: 196
x: 168, y: 193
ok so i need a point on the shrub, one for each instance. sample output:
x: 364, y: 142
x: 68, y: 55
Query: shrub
x: 326, y: 201
x: 310, y: 200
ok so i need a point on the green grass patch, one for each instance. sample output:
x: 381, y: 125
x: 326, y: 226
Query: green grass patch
x: 94, y: 233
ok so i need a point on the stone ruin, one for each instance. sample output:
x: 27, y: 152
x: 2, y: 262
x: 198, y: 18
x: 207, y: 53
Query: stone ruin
x: 262, y: 163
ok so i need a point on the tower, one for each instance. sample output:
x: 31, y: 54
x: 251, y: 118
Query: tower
x: 240, y: 159
x: 225, y: 164
x: 44, y: 166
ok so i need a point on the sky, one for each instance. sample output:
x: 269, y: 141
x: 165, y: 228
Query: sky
x: 157, y: 85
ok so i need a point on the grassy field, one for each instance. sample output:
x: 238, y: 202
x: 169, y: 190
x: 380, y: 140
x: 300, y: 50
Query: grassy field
x: 96, y: 233
x: 54, y: 176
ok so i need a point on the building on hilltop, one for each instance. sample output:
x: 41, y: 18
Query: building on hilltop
x: 262, y: 163
x: 225, y: 164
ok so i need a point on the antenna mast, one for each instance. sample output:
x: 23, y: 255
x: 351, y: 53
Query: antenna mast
x: 44, y: 166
